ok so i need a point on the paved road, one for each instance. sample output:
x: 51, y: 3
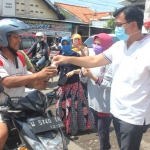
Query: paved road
x: 89, y: 140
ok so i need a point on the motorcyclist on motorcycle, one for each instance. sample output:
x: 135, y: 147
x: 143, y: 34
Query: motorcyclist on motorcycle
x: 13, y: 74
x: 39, y: 51
x: 56, y: 46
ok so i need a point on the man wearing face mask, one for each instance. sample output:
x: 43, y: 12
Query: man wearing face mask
x: 39, y: 51
x: 130, y: 90
x: 99, y: 81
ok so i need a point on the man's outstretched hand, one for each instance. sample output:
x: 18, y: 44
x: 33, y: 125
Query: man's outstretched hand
x: 59, y: 59
x: 47, y: 72
x: 40, y: 84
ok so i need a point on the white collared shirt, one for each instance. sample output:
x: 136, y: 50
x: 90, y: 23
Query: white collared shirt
x: 130, y: 93
x: 8, y: 68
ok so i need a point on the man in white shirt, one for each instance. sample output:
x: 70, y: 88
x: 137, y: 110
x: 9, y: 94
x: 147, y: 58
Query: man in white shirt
x: 13, y: 74
x: 130, y: 58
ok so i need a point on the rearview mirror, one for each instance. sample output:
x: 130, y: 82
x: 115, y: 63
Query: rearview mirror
x: 1, y: 88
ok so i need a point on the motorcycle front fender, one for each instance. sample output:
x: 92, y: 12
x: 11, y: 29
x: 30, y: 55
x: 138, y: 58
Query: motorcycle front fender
x: 26, y: 134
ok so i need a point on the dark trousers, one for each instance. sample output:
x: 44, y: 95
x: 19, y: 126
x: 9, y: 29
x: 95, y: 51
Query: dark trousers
x: 129, y: 136
x: 102, y: 124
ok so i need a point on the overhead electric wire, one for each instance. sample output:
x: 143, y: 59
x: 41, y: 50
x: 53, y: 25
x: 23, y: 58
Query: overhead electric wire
x: 105, y: 2
x: 91, y: 3
x: 97, y: 3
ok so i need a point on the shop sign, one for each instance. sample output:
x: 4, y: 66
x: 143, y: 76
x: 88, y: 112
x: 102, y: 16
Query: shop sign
x: 49, y: 27
x: 7, y: 7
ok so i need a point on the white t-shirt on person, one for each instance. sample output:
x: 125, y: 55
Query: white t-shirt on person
x: 8, y: 68
x: 130, y: 92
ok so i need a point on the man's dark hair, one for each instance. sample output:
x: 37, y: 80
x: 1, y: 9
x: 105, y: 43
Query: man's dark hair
x: 132, y: 13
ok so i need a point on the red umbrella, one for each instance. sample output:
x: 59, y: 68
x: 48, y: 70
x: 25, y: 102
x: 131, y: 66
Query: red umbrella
x: 147, y: 24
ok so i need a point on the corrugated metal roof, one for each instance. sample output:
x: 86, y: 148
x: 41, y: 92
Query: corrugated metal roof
x: 64, y: 21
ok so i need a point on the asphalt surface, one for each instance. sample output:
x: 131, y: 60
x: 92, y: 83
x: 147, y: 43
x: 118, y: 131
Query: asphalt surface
x: 89, y: 140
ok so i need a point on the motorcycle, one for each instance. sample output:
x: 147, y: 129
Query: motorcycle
x: 52, y: 96
x: 54, y: 52
x: 31, y: 126
x: 39, y: 68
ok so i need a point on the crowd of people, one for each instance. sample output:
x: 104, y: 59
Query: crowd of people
x: 109, y: 82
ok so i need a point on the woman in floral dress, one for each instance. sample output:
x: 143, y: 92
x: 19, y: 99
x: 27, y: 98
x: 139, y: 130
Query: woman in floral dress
x: 72, y: 104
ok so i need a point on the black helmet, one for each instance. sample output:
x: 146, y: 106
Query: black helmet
x: 8, y: 26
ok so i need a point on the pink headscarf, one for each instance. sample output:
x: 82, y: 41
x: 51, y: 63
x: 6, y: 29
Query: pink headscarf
x: 105, y: 40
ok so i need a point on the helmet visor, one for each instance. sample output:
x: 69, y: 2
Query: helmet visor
x: 20, y: 32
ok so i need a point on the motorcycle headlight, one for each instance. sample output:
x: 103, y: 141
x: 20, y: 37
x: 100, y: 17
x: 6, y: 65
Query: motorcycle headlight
x: 54, y: 144
x: 35, y: 145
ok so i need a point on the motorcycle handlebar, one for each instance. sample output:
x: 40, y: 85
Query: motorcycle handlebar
x: 2, y: 104
x: 4, y: 109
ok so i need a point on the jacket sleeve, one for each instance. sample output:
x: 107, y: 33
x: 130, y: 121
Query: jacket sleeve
x: 83, y: 79
x: 27, y: 60
x: 31, y: 49
x: 45, y: 48
x: 106, y: 81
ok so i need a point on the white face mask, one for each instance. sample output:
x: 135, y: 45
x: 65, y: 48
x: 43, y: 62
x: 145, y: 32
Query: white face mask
x: 39, y: 39
x: 38, y: 45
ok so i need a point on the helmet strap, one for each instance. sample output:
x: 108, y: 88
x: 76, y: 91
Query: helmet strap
x: 15, y: 55
x: 13, y: 52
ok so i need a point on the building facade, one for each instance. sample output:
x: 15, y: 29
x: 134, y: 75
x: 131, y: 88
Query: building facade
x: 84, y: 15
x: 40, y: 15
x: 139, y: 3
x: 34, y: 9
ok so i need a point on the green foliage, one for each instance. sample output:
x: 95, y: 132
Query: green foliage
x: 110, y: 24
x: 66, y: 14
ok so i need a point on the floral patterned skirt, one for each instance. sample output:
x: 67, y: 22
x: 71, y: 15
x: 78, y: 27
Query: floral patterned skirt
x: 72, y: 106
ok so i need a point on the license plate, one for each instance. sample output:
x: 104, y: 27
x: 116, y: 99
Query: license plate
x: 45, y: 124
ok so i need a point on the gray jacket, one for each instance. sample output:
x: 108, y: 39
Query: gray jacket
x: 99, y: 95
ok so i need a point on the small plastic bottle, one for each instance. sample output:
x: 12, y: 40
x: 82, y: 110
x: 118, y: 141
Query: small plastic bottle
x: 53, y: 64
